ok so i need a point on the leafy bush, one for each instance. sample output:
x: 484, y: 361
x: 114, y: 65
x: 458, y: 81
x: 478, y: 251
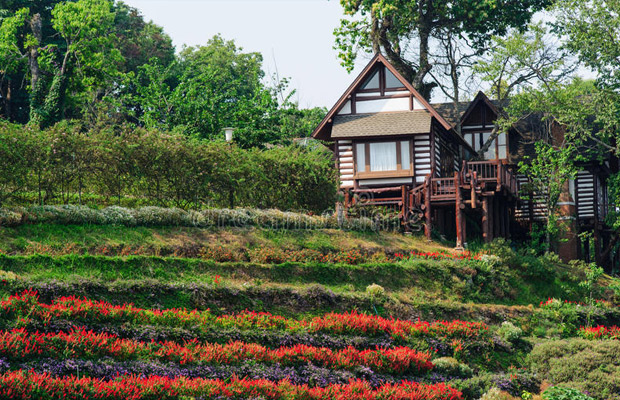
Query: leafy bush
x: 10, y: 217
x: 375, y: 292
x: 564, y: 318
x: 452, y: 367
x: 592, y: 367
x: 562, y: 393
x: 161, y: 216
x: 509, y: 332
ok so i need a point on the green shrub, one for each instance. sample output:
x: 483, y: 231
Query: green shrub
x: 452, y: 367
x: 375, y: 292
x: 562, y: 393
x: 136, y: 167
x: 161, y: 216
x: 10, y: 217
x: 592, y: 367
x: 509, y: 332
x: 115, y: 215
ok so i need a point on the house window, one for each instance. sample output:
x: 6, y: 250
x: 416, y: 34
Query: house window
x: 360, y: 156
x: 497, y: 149
x: 391, y: 81
x: 372, y: 82
x: 383, y: 157
x: 502, y: 146
x: 380, y: 81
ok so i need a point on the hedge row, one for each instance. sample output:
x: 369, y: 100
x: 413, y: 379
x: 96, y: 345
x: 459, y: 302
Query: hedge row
x: 126, y: 166
x: 158, y: 216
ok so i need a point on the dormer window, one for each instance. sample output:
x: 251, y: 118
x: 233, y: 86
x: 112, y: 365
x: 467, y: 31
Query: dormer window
x: 498, y: 148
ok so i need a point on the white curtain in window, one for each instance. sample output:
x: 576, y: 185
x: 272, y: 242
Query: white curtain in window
x: 383, y: 156
x: 405, y: 162
x: 360, y: 156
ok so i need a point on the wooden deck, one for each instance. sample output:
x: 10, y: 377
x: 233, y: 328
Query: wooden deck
x: 487, y: 187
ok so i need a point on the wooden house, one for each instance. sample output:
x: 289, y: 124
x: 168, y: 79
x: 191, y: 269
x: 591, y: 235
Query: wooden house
x: 393, y: 148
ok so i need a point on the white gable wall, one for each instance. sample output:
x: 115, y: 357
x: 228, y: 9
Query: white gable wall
x: 382, y: 105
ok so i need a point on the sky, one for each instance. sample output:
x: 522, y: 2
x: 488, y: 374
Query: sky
x: 294, y: 36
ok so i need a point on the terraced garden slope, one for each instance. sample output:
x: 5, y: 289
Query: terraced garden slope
x: 116, y: 311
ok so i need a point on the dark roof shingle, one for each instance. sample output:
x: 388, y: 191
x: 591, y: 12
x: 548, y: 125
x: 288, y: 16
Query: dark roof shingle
x: 382, y: 124
x: 448, y: 112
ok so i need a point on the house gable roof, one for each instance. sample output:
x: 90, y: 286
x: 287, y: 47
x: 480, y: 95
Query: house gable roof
x: 323, y: 131
x: 381, y: 124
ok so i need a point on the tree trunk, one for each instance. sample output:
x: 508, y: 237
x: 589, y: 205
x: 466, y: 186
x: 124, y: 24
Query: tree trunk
x: 37, y: 95
x: 36, y: 27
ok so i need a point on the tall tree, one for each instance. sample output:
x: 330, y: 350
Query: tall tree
x: 521, y: 61
x: 209, y: 88
x: 77, y: 51
x: 592, y: 29
x: 403, y: 30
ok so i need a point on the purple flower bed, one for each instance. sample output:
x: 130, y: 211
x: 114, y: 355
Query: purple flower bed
x: 309, y: 374
x: 267, y: 338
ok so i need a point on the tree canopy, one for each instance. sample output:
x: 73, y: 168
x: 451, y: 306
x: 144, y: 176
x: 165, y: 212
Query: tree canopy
x: 100, y: 63
x: 404, y: 30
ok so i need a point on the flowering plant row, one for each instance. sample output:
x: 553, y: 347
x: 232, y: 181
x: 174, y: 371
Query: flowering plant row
x: 23, y: 385
x: 307, y: 374
x: 437, y: 255
x: 600, y: 332
x: 27, y: 304
x: 19, y: 344
x: 557, y: 303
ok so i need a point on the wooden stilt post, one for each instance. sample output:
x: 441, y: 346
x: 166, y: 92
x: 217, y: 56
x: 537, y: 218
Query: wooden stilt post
x: 428, y: 227
x: 486, y: 234
x: 460, y: 231
x: 496, y: 217
x: 503, y: 220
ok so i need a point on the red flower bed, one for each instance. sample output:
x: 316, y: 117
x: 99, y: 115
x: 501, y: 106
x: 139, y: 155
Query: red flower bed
x: 600, y: 332
x: 19, y: 344
x: 23, y: 385
x: 371, y: 325
x: 27, y: 304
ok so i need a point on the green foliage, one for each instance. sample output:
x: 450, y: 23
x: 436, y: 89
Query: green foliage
x: 509, y: 332
x: 563, y: 393
x: 392, y: 26
x: 158, y: 216
x: 212, y: 87
x: 592, y: 29
x: 452, y: 367
x: 592, y: 367
x: 62, y: 163
x: 548, y: 173
x: 519, y: 59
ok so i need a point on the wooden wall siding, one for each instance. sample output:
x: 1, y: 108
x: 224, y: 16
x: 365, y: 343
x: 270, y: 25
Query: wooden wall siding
x: 385, y: 181
x: 444, y: 154
x: 345, y: 163
x: 437, y: 159
x: 422, y: 157
x: 584, y: 193
x: 530, y: 204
